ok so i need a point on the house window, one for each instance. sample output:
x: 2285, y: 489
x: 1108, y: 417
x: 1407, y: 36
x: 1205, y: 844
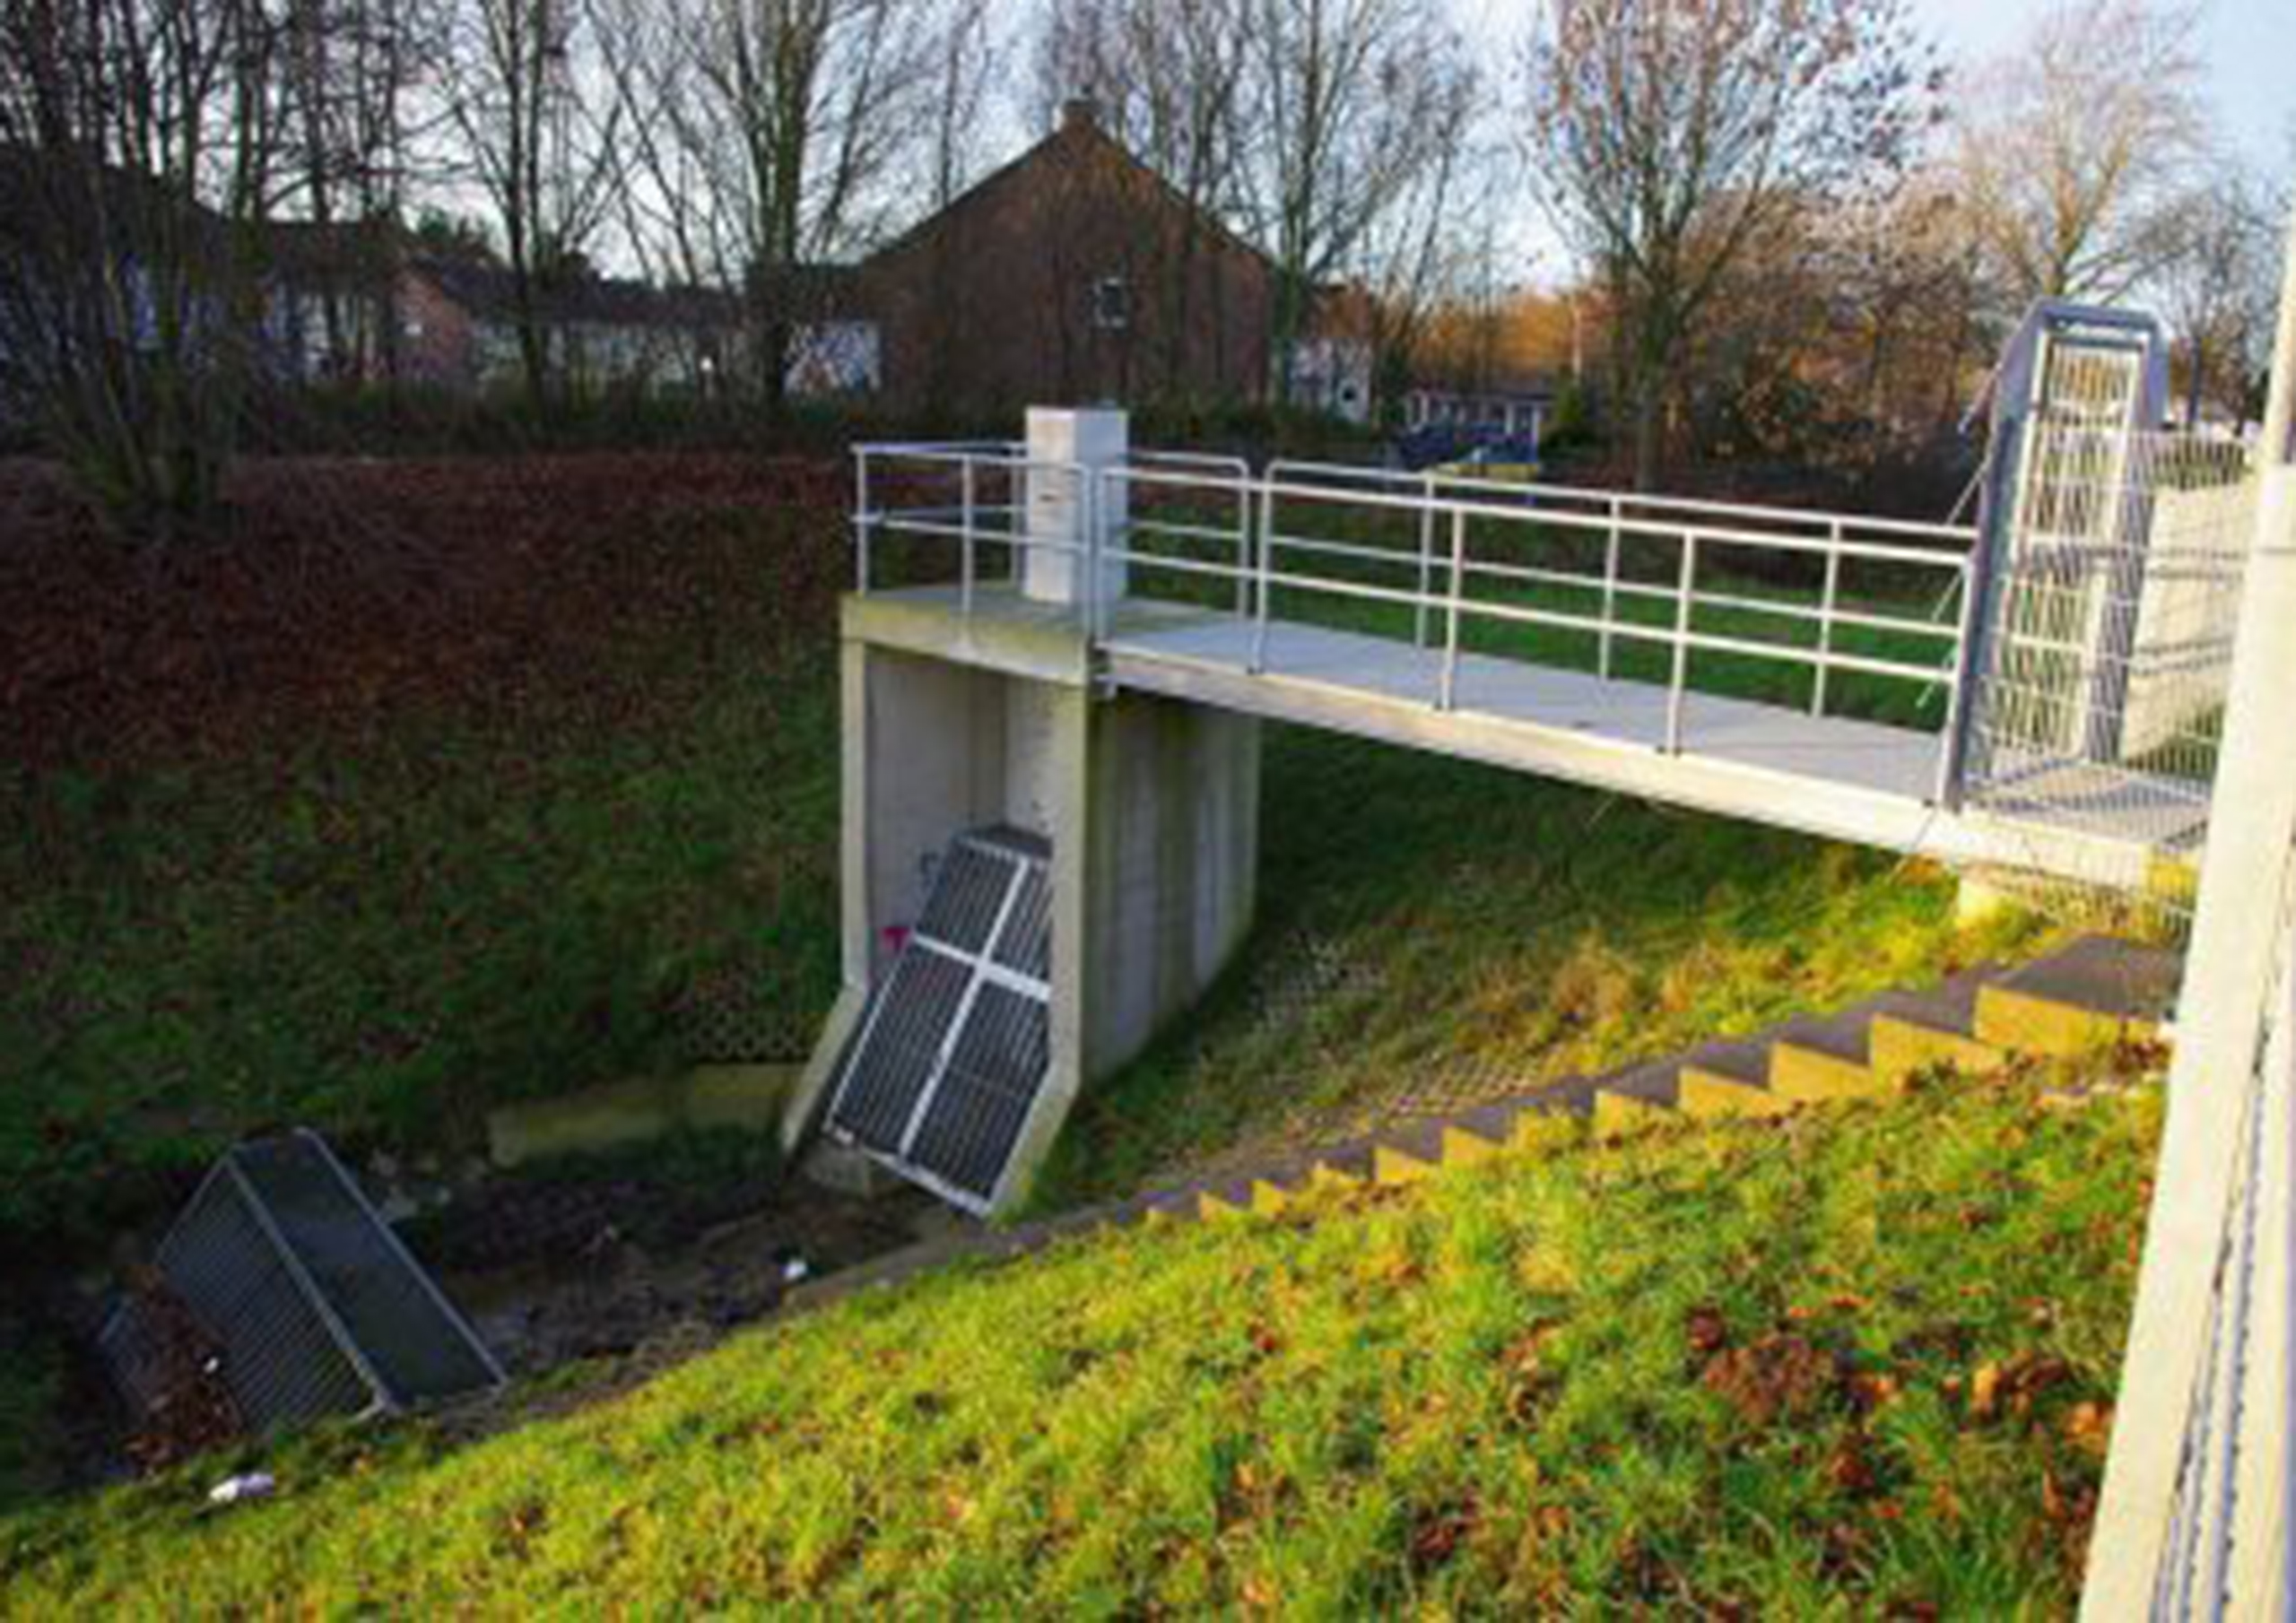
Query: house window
x: 1112, y: 304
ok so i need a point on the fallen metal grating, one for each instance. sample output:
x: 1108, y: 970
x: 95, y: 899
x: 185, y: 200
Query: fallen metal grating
x: 951, y: 1056
x: 316, y: 1307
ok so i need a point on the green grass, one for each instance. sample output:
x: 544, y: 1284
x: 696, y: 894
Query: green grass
x: 1852, y: 1364
x: 1462, y: 919
x: 383, y: 934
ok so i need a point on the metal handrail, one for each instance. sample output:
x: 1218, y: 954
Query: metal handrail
x: 1266, y: 557
x: 1296, y: 471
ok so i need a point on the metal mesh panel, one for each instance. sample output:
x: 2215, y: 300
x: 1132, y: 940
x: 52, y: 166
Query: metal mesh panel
x: 415, y: 1346
x: 2110, y: 633
x: 280, y: 1360
x: 317, y: 1308
x: 952, y: 1055
x: 1025, y: 944
x: 900, y: 1050
x: 968, y: 895
x: 975, y: 1118
x: 2227, y: 1533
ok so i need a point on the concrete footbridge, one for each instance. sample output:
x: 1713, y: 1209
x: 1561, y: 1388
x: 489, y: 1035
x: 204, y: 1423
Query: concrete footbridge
x: 1060, y: 651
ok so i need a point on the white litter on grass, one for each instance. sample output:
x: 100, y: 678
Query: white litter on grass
x: 796, y: 1271
x: 241, y: 1490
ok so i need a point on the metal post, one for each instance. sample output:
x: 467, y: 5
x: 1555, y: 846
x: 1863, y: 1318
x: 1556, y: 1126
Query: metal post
x: 1244, y: 544
x: 1609, y: 585
x: 1681, y: 680
x: 2223, y: 1013
x: 1266, y: 554
x: 1947, y: 792
x: 1089, y: 509
x: 1450, y: 687
x: 965, y: 588
x: 1980, y: 607
x: 1825, y: 618
x: 861, y: 521
x: 1426, y: 561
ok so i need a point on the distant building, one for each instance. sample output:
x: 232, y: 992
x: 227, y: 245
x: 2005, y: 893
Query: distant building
x: 1076, y: 274
x: 1516, y: 414
x: 369, y: 302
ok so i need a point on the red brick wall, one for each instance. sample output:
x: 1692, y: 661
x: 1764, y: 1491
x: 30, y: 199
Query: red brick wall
x: 991, y: 305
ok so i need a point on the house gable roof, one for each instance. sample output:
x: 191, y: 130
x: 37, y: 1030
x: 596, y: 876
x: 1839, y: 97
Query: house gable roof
x: 1079, y: 141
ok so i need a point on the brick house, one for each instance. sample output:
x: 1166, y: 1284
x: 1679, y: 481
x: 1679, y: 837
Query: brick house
x: 1074, y: 273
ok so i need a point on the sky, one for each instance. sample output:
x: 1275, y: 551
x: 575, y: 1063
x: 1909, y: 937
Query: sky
x: 2247, y: 52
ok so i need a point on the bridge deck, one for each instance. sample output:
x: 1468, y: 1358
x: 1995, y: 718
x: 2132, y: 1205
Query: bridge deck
x: 1835, y: 776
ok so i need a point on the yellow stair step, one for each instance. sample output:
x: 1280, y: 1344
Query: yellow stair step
x: 1709, y: 1096
x: 1393, y: 1165
x: 1536, y: 1132
x: 2013, y: 1018
x: 1619, y: 1113
x: 1211, y: 1207
x: 1902, y: 1047
x: 1324, y: 1175
x: 1813, y: 1076
x: 1462, y: 1148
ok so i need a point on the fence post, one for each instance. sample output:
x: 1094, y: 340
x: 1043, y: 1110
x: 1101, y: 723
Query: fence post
x: 2003, y: 452
x: 1609, y: 585
x: 966, y: 523
x: 1266, y: 554
x: 861, y: 520
x: 1458, y: 587
x: 1426, y: 560
x: 1685, y: 589
x: 2222, y: 1015
x: 1825, y: 618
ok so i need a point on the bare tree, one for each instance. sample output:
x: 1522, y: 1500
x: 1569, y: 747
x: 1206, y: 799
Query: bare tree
x: 1437, y: 249
x: 2070, y: 153
x: 1349, y: 105
x: 348, y: 70
x: 2218, y: 290
x: 136, y: 141
x: 763, y: 137
x: 1669, y: 135
x: 538, y: 148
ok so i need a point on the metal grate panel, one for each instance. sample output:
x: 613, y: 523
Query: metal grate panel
x: 968, y: 1128
x: 317, y: 1308
x: 951, y: 1059
x: 901, y: 1050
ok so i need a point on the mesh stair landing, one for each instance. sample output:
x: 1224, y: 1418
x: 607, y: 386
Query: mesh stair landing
x: 2093, y: 995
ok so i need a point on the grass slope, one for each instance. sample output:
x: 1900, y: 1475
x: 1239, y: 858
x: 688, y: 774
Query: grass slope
x: 384, y: 923
x: 1855, y: 1362
x: 1464, y: 931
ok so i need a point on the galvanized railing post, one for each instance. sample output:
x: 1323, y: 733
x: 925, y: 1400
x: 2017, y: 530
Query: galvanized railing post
x: 1426, y: 561
x: 1825, y: 619
x: 1448, y: 695
x: 1950, y: 760
x: 1609, y: 585
x: 1266, y: 567
x: 1092, y: 506
x: 965, y: 481
x: 1680, y: 681
x: 861, y: 520
x: 1244, y: 543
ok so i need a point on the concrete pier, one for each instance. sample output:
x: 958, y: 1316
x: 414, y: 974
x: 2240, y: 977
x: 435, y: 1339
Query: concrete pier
x: 956, y: 722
